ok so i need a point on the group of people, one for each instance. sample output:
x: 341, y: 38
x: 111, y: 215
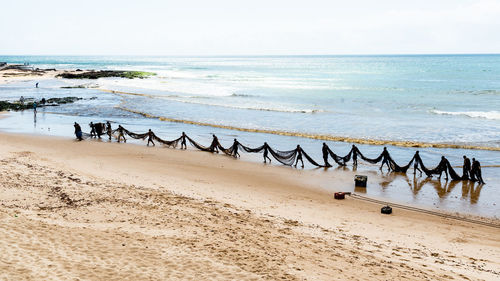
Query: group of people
x: 471, y: 170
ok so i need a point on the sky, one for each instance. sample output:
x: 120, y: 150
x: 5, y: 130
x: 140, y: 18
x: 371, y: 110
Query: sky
x: 256, y: 27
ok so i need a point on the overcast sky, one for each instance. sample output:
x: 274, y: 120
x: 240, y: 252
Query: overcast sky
x: 251, y: 27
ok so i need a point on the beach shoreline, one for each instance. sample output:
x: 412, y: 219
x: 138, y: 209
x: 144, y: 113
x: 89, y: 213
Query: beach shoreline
x: 101, y: 189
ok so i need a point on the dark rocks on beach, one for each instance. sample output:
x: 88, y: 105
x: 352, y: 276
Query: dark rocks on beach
x: 106, y: 73
x: 6, y: 105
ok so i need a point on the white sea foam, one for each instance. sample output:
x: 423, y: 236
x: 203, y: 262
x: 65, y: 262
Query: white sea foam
x: 492, y: 115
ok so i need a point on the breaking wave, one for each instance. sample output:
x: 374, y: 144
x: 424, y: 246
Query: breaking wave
x: 492, y: 115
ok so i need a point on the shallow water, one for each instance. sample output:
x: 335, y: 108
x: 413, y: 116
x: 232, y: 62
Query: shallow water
x: 435, y: 99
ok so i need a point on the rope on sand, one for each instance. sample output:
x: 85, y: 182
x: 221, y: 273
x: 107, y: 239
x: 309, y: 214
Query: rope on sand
x: 435, y: 213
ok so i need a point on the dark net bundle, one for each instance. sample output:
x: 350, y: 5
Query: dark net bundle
x: 401, y: 169
x: 338, y: 159
x: 135, y: 135
x: 429, y: 172
x: 230, y: 151
x: 172, y: 143
x: 369, y: 160
x: 199, y: 146
x: 310, y: 159
x: 284, y: 157
x: 451, y: 171
x: 254, y: 150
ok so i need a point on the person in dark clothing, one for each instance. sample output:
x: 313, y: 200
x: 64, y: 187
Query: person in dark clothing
x: 415, y: 163
x: 475, y: 172
x: 183, y: 141
x: 121, y: 134
x: 443, y: 167
x: 355, y: 155
x: 235, y: 149
x: 109, y: 131
x: 92, y: 130
x: 466, y: 169
x: 385, y: 159
x: 99, y: 128
x: 325, y: 155
x: 266, y: 151
x: 215, y: 144
x: 78, y: 131
x: 150, y: 137
x: 36, y: 85
x: 43, y: 101
x: 299, y: 156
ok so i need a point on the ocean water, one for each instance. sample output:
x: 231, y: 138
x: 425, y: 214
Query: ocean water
x: 451, y: 99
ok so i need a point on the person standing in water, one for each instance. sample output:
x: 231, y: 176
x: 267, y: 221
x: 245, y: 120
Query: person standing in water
x: 415, y: 164
x: 266, y: 151
x: 355, y: 156
x: 34, y: 107
x: 121, y: 133
x: 235, y: 148
x: 443, y: 167
x: 324, y: 149
x: 109, y: 131
x: 150, y: 137
x: 183, y: 141
x: 385, y: 159
x: 299, y: 156
x: 476, y: 171
x: 36, y: 85
x: 92, y: 130
x: 78, y: 131
x: 466, y: 174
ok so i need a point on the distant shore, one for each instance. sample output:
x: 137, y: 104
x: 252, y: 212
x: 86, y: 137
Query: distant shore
x: 163, y: 213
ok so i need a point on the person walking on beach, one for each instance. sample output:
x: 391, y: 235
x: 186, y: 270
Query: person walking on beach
x: 183, y: 141
x: 324, y: 149
x: 466, y: 169
x: 385, y: 159
x: 150, y: 137
x: 78, y: 131
x: 121, y: 133
x: 415, y: 164
x: 299, y: 156
x: 215, y: 144
x: 236, y: 143
x: 266, y: 152
x: 109, y: 131
x: 92, y: 130
x: 443, y: 167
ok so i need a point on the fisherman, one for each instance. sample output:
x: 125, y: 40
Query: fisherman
x: 92, y: 130
x: 476, y: 171
x: 99, y: 128
x: 150, y: 137
x: 121, y: 133
x: 355, y: 156
x: 34, y: 107
x: 43, y: 101
x: 415, y: 163
x: 385, y: 159
x: 466, y: 174
x: 109, y: 131
x: 78, y: 131
x: 443, y: 167
x: 235, y: 149
x: 36, y: 85
x: 299, y: 156
x: 324, y: 149
x: 266, y: 151
x: 215, y: 144
x: 21, y: 100
x: 183, y: 141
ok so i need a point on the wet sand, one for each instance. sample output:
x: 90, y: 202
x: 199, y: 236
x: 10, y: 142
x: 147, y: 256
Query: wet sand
x: 97, y: 210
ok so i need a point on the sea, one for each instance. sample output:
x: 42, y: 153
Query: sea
x: 447, y: 100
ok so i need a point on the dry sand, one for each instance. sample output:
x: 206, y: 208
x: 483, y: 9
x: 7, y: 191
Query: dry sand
x: 107, y: 211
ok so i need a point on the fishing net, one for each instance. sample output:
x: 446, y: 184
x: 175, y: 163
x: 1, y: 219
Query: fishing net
x: 290, y: 157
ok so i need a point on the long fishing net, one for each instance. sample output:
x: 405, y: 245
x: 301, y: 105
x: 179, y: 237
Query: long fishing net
x: 287, y: 157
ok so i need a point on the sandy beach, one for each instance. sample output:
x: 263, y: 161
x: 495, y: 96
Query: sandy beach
x: 104, y: 211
